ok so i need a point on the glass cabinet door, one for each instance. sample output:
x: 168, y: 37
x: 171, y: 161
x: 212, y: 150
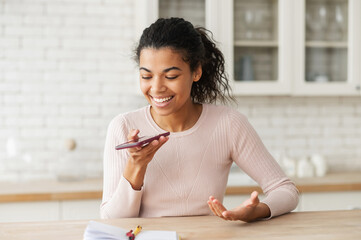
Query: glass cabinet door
x: 326, y: 36
x: 260, y: 47
x: 190, y: 10
x: 255, y: 40
x: 327, y: 45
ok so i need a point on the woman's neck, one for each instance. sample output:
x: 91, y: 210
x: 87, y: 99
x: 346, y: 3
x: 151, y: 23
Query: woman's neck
x: 179, y: 121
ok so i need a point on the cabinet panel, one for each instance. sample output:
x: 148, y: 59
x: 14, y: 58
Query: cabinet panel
x: 29, y: 211
x: 327, y: 47
x: 330, y: 201
x: 50, y: 210
x: 255, y: 40
x: 80, y: 209
x: 255, y: 64
x: 259, y: 62
x: 326, y: 41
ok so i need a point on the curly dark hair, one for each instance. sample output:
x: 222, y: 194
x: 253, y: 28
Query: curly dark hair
x: 197, y: 48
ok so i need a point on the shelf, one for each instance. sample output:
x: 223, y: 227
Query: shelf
x: 255, y: 43
x: 326, y: 44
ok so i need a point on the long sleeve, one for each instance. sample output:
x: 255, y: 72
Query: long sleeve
x: 252, y: 157
x: 119, y: 198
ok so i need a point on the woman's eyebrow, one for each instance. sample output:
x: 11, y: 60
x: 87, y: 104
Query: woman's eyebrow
x: 143, y: 68
x: 165, y: 70
x: 171, y: 68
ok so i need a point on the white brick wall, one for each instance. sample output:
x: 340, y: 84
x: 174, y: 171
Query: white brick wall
x: 301, y: 126
x: 66, y: 69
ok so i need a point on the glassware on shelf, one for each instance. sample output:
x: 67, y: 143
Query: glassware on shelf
x: 255, y: 46
x: 326, y: 46
x: 249, y: 22
x: 321, y: 78
x: 246, y: 68
x: 262, y: 24
x: 326, y: 65
x: 255, y: 63
x: 326, y: 20
x: 316, y: 21
x: 337, y: 23
x: 191, y: 10
x: 254, y: 20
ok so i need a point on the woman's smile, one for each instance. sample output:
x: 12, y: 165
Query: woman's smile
x: 161, y: 101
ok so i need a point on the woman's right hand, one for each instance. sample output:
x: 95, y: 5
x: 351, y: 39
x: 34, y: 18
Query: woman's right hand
x: 139, y: 159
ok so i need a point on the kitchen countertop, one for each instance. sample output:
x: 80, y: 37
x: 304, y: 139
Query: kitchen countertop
x: 92, y: 188
x: 336, y: 225
x: 332, y: 182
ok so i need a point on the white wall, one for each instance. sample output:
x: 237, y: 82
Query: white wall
x: 66, y: 69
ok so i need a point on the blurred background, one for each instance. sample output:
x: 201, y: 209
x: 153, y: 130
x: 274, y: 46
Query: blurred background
x: 66, y: 70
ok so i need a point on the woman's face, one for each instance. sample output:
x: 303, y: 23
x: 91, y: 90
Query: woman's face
x: 166, y: 80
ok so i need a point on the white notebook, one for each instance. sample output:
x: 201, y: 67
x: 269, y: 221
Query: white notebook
x: 97, y: 230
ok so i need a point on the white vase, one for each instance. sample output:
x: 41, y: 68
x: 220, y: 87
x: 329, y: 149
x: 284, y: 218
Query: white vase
x: 320, y: 164
x: 305, y: 168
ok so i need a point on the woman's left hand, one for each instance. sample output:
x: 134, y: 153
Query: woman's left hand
x: 250, y: 210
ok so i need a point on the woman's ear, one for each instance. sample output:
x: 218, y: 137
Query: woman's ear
x: 197, y: 74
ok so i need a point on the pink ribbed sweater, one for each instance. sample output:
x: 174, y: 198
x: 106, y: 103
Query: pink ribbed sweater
x: 190, y: 167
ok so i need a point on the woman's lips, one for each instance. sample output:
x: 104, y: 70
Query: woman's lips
x: 161, y: 101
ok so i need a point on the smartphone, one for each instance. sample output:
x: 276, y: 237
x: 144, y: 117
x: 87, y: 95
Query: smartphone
x: 142, y: 141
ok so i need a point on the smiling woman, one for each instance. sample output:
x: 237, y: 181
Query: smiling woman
x: 181, y: 74
x: 166, y: 84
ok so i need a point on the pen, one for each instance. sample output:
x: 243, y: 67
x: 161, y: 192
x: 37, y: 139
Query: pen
x: 137, y: 230
x: 131, y: 234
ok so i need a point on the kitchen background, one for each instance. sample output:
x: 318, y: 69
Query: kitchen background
x: 66, y: 70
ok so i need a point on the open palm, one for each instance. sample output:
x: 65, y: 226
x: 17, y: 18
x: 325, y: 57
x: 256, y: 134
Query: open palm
x: 249, y: 210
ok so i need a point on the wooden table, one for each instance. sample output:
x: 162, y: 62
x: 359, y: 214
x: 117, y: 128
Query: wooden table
x: 326, y: 225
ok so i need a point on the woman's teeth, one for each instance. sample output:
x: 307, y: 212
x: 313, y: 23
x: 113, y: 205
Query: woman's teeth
x: 161, y: 100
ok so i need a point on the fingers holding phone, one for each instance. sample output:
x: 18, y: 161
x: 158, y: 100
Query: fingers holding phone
x: 141, y: 152
x: 132, y: 137
x: 142, y: 149
x: 154, y: 145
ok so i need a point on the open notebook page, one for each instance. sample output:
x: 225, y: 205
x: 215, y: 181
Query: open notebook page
x: 96, y: 230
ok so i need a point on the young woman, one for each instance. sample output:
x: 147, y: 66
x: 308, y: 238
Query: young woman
x: 182, y: 76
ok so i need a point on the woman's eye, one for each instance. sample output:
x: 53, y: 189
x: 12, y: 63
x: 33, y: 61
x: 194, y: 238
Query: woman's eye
x: 146, y: 77
x: 171, y: 77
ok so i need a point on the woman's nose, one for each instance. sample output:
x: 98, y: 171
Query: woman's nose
x: 158, y: 85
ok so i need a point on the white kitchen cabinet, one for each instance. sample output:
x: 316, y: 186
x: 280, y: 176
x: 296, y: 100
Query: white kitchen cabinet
x: 29, y: 211
x: 256, y: 43
x: 50, y: 210
x: 327, y: 47
x: 330, y: 201
x: 80, y: 209
x: 270, y: 48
